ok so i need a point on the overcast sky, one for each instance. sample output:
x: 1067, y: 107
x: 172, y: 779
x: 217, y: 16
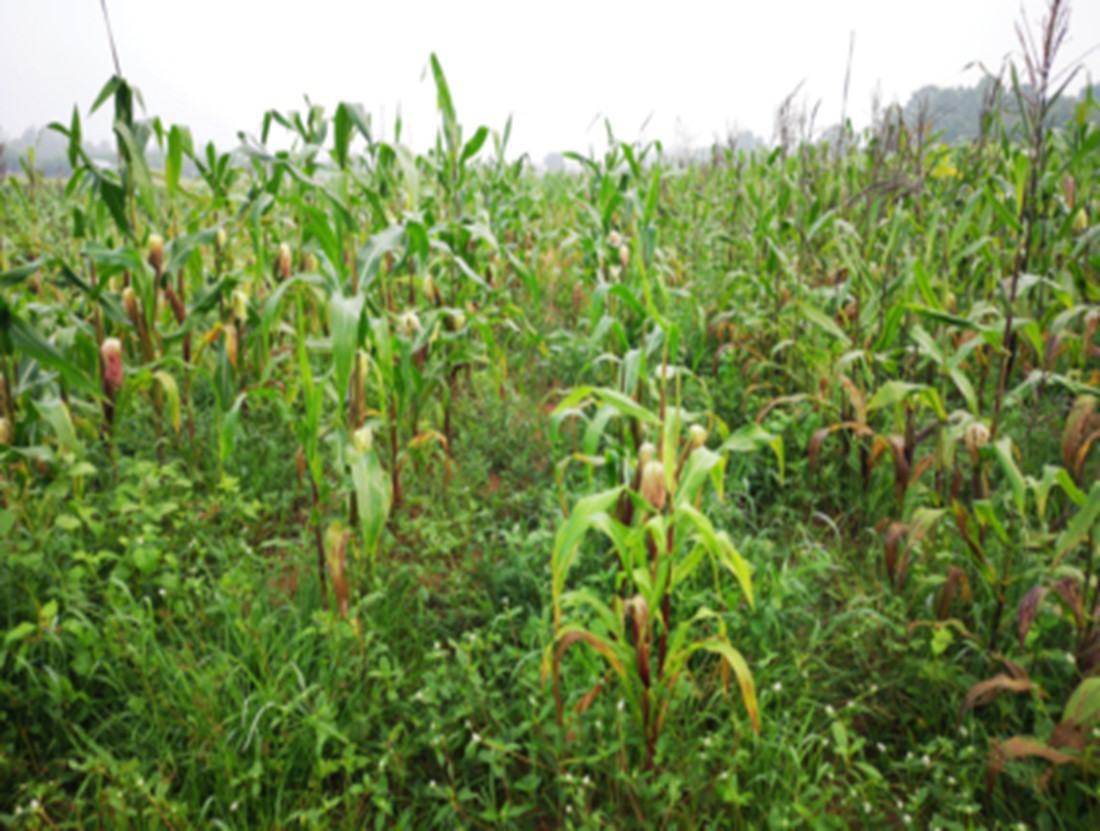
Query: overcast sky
x: 696, y: 70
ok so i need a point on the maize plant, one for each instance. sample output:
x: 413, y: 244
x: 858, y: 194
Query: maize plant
x: 658, y: 537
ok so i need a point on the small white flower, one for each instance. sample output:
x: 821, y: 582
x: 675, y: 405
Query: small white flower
x: 908, y: 820
x: 141, y: 781
x: 926, y: 760
x: 951, y: 780
x: 964, y: 732
x: 587, y: 780
x: 778, y: 686
x: 162, y: 592
x: 622, y: 705
x: 568, y: 809
x: 34, y: 805
x: 829, y: 709
x: 431, y: 784
x: 1070, y: 659
x: 866, y: 807
x: 881, y: 747
x: 234, y: 806
x: 477, y: 738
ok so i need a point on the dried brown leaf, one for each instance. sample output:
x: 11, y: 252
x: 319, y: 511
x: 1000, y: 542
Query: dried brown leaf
x: 1029, y: 608
x: 956, y: 584
x: 894, y: 535
x: 985, y: 691
x: 1021, y: 747
x: 814, y: 446
x: 1069, y: 590
x: 856, y: 398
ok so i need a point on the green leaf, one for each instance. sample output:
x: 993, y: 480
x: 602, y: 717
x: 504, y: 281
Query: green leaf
x: 751, y: 438
x: 28, y: 341
x: 1002, y: 449
x: 1079, y: 527
x: 589, y: 513
x: 171, y: 394
x: 445, y: 103
x: 341, y: 135
x: 21, y: 632
x: 891, y: 393
x: 56, y: 413
x: 1084, y: 705
x: 624, y: 404
x: 474, y: 144
x: 720, y: 547
x: 824, y: 322
x: 373, y: 494
x: 700, y: 464
x: 345, y: 316
x: 741, y: 670
x: 18, y: 275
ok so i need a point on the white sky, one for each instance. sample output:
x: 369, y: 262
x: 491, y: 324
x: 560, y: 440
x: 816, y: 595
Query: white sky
x: 698, y: 68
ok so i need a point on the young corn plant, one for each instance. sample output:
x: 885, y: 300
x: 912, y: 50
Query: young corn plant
x: 649, y: 630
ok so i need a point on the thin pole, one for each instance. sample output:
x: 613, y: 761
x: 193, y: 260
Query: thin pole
x: 111, y: 37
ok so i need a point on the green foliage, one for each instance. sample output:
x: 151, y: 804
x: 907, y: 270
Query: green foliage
x: 377, y: 464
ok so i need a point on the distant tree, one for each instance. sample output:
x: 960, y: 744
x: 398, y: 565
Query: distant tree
x: 956, y: 112
x: 553, y: 163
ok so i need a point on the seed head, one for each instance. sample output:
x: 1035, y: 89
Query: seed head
x: 231, y: 344
x: 431, y: 291
x: 363, y: 439
x: 155, y: 254
x: 614, y: 239
x: 282, y: 262
x: 646, y: 453
x: 129, y: 300
x: 697, y: 435
x: 455, y: 320
x: 977, y: 435
x: 110, y: 353
x: 6, y: 431
x: 1080, y: 221
x: 653, y: 485
x: 408, y: 324
x: 624, y: 255
x: 240, y: 306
